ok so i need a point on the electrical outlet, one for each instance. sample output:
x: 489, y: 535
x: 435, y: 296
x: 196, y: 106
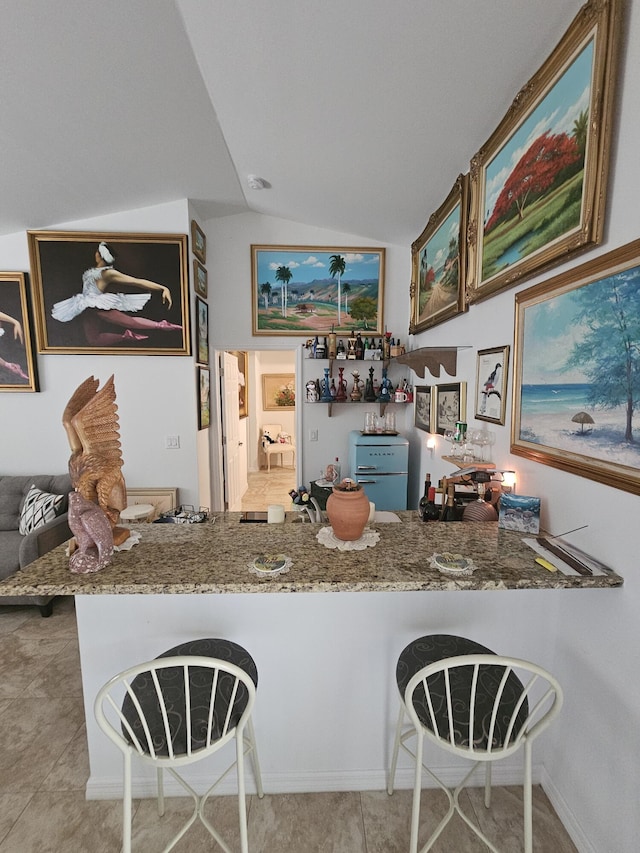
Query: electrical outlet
x: 313, y: 435
x: 172, y: 442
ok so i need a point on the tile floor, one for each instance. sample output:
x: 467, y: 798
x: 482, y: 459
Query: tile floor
x: 44, y: 768
x: 272, y: 488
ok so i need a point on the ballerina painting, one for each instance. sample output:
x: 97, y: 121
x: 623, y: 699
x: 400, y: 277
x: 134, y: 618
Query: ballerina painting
x: 17, y: 368
x: 116, y: 293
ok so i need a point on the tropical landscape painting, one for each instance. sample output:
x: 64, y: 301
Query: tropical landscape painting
x: 533, y: 186
x: 307, y: 290
x: 578, y: 383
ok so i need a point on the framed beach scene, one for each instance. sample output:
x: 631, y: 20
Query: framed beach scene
x: 308, y: 290
x: 538, y: 185
x: 577, y: 370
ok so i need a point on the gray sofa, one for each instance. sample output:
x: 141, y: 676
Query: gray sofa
x: 16, y: 550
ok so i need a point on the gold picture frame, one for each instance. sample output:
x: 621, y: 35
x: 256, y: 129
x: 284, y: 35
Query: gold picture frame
x: 200, y: 279
x: 538, y: 185
x: 308, y: 290
x: 439, y: 262
x: 17, y: 363
x: 143, y: 277
x: 492, y: 375
x: 243, y: 381
x: 198, y: 242
x: 449, y: 405
x: 576, y: 363
x: 278, y: 392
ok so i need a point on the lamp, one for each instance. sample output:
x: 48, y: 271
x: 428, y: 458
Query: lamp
x: 431, y: 444
x: 509, y: 481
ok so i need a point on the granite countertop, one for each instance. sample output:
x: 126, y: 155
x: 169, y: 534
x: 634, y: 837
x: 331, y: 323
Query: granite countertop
x: 213, y: 557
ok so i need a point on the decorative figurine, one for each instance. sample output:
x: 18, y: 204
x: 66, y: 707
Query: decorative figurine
x: 369, y: 393
x: 90, y: 420
x: 312, y: 394
x: 326, y: 388
x: 341, y: 395
x: 386, y: 388
x: 356, y: 394
x: 93, y: 535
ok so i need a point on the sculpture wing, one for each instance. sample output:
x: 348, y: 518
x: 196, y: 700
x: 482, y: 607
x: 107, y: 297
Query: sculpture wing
x: 96, y: 426
x: 81, y: 397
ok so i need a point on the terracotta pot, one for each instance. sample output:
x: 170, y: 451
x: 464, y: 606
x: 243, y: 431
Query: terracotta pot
x: 348, y: 513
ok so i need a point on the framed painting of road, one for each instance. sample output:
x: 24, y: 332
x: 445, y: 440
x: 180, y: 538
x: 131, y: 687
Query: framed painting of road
x: 538, y: 186
x: 438, y: 262
x: 310, y: 290
x: 577, y: 370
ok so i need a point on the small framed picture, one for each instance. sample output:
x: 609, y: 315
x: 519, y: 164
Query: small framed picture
x: 198, y: 242
x: 450, y: 405
x: 491, y: 384
x: 202, y: 315
x: 423, y: 408
x: 200, y: 279
x: 204, y: 398
x: 278, y: 391
x: 17, y: 363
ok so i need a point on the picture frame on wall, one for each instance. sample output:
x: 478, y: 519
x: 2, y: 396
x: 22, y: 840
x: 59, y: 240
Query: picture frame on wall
x: 202, y: 331
x: 576, y: 369
x: 439, y: 262
x: 308, y: 290
x: 423, y: 408
x: 492, y: 373
x: 450, y: 405
x: 243, y: 382
x: 198, y: 242
x: 17, y: 363
x: 102, y: 293
x: 538, y: 185
x: 278, y: 392
x: 204, y: 398
x: 200, y: 279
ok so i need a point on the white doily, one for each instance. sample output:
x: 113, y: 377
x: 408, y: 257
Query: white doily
x: 327, y: 537
x: 133, y: 539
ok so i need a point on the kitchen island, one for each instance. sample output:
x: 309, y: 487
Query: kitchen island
x: 327, y: 700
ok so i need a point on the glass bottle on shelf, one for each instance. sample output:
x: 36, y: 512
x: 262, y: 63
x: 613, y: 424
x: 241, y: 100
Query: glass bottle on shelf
x: 321, y: 349
x: 332, y: 348
x: 449, y: 511
x: 341, y: 352
x: 359, y: 347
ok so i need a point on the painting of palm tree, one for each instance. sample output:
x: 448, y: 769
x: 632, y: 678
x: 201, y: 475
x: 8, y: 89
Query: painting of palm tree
x: 337, y: 267
x: 305, y: 290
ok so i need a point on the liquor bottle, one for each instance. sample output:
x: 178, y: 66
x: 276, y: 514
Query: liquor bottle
x: 320, y: 348
x: 341, y: 351
x: 332, y: 350
x: 359, y: 347
x: 432, y: 510
x: 315, y: 347
x: 449, y: 511
x: 424, y: 500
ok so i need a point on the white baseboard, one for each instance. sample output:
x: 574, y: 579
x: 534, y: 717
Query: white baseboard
x: 106, y: 788
x: 566, y: 816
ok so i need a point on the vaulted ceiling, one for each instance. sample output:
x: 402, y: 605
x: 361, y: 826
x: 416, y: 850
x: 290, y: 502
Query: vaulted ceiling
x: 358, y: 113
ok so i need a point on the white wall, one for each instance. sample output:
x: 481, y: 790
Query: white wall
x: 156, y: 396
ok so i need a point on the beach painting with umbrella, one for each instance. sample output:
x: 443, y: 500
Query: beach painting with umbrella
x: 577, y: 372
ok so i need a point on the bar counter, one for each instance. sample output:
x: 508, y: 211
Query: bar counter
x: 327, y: 700
x: 214, y: 557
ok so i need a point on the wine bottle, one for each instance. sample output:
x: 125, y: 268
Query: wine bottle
x: 359, y: 347
x: 424, y: 500
x: 432, y: 510
x: 449, y: 511
x: 321, y: 348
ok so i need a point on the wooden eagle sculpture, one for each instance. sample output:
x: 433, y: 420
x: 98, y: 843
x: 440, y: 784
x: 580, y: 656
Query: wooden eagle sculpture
x: 90, y: 420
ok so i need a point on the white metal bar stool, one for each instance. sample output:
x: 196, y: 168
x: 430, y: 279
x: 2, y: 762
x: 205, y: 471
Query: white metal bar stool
x: 476, y: 705
x: 178, y: 709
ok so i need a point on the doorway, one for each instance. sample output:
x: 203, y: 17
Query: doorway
x: 242, y: 478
